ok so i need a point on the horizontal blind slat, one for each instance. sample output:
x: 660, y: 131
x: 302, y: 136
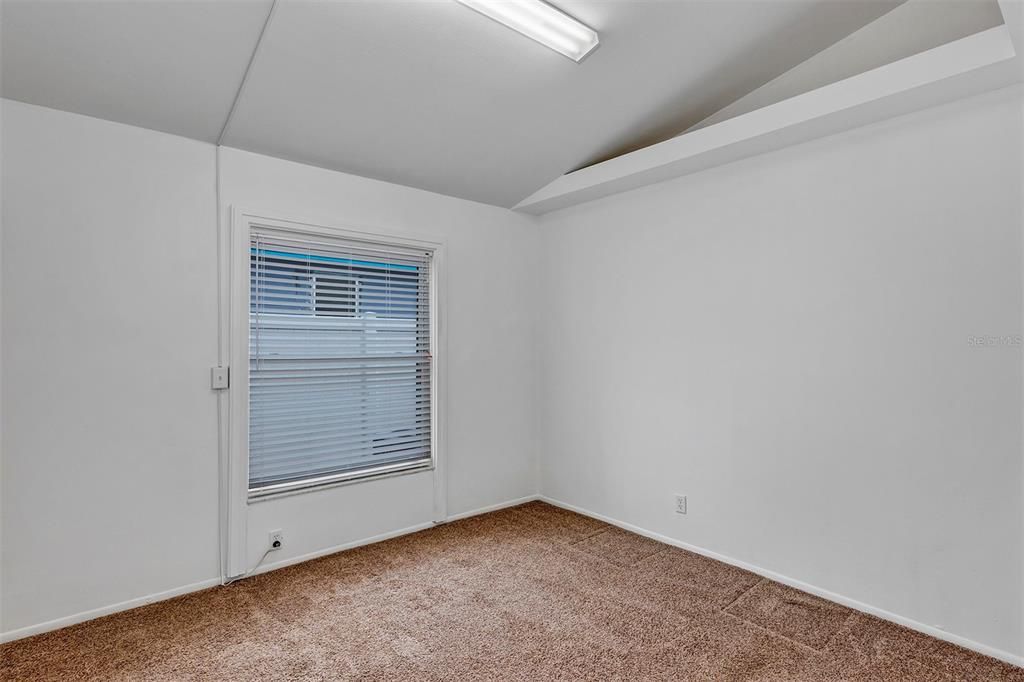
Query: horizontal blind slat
x: 285, y: 473
x: 337, y: 440
x: 371, y: 421
x: 295, y: 453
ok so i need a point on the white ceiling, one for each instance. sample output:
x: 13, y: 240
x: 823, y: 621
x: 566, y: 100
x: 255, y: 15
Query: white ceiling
x: 423, y: 93
x: 911, y: 28
x: 162, y: 64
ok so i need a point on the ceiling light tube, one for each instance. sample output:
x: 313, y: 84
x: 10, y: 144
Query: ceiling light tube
x: 540, y: 21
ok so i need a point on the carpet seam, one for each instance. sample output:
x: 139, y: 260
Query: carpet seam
x: 774, y: 633
x: 589, y: 536
x: 824, y: 648
x: 605, y: 559
x: 849, y: 617
x: 743, y: 594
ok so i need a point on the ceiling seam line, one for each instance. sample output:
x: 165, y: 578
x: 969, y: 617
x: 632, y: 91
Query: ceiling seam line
x: 245, y: 76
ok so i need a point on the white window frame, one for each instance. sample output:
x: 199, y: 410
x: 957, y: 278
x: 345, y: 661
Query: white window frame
x: 235, y: 350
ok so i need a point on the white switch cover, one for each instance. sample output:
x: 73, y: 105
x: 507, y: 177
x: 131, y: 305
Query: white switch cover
x: 218, y: 378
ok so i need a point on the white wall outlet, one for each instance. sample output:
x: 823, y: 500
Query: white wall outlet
x: 680, y: 504
x: 276, y: 539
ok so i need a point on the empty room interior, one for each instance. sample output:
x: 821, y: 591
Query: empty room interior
x: 512, y: 340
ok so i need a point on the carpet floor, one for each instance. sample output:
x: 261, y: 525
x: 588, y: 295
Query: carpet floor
x: 528, y: 593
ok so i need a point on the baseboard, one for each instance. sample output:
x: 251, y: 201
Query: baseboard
x: 999, y: 654
x: 74, y: 619
x: 494, y: 507
x: 389, y: 535
x: 266, y: 568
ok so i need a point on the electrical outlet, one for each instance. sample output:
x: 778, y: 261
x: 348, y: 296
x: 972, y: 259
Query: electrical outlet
x: 680, y: 504
x: 276, y: 539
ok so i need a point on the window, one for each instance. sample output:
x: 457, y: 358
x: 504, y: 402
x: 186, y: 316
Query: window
x: 340, y: 361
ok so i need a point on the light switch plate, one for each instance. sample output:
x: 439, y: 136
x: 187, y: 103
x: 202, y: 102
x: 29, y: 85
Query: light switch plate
x: 218, y: 378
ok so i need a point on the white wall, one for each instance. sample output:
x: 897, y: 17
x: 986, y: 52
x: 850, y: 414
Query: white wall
x: 491, y: 261
x: 110, y: 320
x: 786, y: 340
x: 110, y: 302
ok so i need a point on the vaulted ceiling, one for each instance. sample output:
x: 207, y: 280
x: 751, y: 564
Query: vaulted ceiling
x: 421, y: 93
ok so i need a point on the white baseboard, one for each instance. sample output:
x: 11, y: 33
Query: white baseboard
x: 494, y: 507
x: 999, y: 654
x: 291, y: 561
x: 389, y: 535
x: 74, y: 619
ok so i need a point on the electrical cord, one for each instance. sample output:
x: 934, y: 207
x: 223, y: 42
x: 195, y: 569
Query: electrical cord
x: 259, y: 563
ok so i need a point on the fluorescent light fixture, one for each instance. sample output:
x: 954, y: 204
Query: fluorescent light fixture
x: 540, y: 21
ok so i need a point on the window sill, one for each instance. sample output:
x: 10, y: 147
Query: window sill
x: 336, y: 480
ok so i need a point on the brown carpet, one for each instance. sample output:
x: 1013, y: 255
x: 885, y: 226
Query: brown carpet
x: 529, y: 593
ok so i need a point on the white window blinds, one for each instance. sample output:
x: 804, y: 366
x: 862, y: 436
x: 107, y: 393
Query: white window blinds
x: 339, y: 360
